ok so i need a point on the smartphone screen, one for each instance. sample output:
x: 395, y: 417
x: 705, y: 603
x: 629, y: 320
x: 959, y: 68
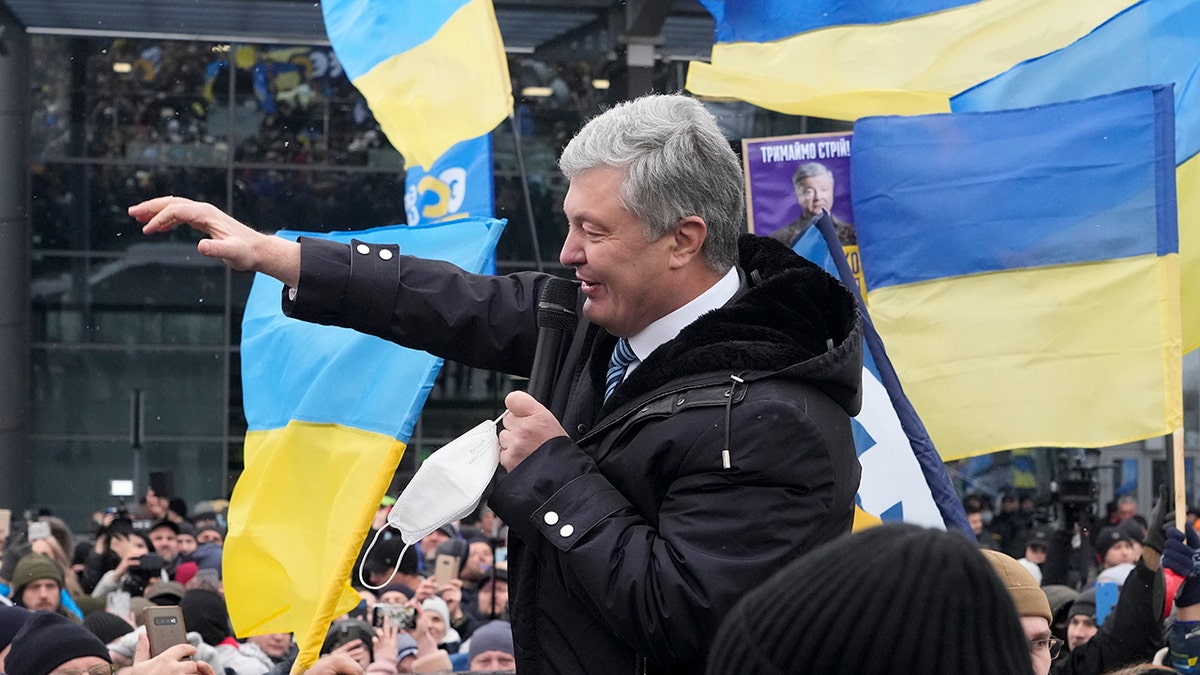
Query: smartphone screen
x: 164, y: 627
x: 39, y: 530
x: 446, y: 569
x: 401, y: 616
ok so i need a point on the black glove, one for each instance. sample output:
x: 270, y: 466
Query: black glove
x: 1159, y: 519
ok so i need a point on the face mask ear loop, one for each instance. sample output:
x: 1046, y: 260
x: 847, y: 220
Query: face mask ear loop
x: 395, y: 568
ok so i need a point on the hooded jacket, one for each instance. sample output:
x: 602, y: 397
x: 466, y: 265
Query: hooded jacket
x: 724, y: 455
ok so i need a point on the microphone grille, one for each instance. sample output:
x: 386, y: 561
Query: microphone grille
x: 556, y: 306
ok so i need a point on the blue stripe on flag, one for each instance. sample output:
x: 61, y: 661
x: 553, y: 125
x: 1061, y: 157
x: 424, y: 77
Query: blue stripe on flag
x: 279, y: 387
x: 368, y: 32
x: 1152, y: 42
x: 1098, y: 159
x: 767, y: 20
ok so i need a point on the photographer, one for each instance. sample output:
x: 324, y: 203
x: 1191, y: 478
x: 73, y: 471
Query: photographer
x: 136, y: 565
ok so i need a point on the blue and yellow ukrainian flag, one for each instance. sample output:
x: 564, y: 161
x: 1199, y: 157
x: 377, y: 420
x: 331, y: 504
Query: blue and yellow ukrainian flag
x: 433, y: 72
x: 329, y: 411
x: 1023, y: 267
x: 845, y: 60
x: 1153, y: 42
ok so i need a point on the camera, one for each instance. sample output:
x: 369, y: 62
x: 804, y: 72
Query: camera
x: 401, y: 616
x: 150, y: 563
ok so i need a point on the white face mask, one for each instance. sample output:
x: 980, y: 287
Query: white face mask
x: 445, y: 488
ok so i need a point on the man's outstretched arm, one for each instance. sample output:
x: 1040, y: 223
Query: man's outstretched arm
x: 238, y: 245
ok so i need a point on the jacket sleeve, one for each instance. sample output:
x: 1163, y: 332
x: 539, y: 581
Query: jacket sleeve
x: 483, y: 321
x: 663, y: 578
x: 1132, y: 633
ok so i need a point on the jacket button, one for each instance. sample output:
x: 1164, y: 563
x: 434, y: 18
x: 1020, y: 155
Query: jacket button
x: 385, y: 254
x: 551, y: 517
x: 582, y: 428
x: 567, y: 531
x: 363, y: 249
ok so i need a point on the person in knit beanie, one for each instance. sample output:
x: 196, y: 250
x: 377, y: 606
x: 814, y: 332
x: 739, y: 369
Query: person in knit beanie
x: 11, y: 621
x: 48, y: 642
x: 1032, y: 606
x: 106, y: 626
x: 37, y: 583
x: 895, y: 598
x: 492, y: 647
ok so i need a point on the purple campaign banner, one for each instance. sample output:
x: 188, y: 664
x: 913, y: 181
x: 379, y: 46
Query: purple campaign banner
x: 771, y: 164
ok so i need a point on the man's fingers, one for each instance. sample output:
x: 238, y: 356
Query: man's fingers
x: 143, y: 649
x: 521, y: 404
x: 146, y: 210
x: 177, y: 652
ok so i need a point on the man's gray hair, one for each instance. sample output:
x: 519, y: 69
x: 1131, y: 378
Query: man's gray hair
x: 809, y: 170
x: 676, y: 163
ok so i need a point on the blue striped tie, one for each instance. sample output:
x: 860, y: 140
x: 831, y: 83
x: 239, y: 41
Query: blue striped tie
x: 622, y: 356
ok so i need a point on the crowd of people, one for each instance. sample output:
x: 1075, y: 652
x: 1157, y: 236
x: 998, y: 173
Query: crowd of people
x: 67, y: 596
x: 74, y: 602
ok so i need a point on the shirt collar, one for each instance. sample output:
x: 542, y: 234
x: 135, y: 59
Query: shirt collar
x: 666, y: 328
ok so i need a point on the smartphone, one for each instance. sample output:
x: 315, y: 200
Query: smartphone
x: 164, y: 627
x: 39, y: 530
x: 446, y: 568
x: 401, y: 616
x: 118, y: 604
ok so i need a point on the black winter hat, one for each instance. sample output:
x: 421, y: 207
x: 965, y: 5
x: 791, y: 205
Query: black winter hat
x: 1085, y: 604
x: 205, y: 613
x: 48, y: 640
x: 106, y: 626
x: 895, y: 598
x: 11, y: 620
x: 1109, y: 536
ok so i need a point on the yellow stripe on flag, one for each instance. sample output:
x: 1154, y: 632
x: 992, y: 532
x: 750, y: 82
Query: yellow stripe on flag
x: 1187, y: 189
x: 418, y: 96
x: 905, y: 67
x: 1004, y: 355
x: 304, y: 487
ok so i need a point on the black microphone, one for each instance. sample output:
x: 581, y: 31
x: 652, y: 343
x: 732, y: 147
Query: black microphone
x: 555, y: 320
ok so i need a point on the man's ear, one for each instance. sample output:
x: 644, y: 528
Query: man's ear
x: 689, y: 236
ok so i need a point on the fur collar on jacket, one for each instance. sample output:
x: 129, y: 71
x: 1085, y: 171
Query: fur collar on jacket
x: 791, y: 319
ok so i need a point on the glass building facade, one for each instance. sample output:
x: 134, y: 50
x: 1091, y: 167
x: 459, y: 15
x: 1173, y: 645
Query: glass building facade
x: 135, y: 364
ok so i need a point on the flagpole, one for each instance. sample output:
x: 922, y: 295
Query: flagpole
x: 1179, y: 482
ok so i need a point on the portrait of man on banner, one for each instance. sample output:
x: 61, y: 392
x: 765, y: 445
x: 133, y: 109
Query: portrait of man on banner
x: 791, y: 180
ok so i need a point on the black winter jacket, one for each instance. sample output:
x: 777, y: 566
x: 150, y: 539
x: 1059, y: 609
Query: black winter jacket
x: 723, y: 456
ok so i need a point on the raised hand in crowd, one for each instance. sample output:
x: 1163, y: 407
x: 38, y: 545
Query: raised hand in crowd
x: 335, y: 663
x: 356, y: 650
x: 385, y: 642
x: 452, y: 594
x: 175, y: 660
x: 425, y: 590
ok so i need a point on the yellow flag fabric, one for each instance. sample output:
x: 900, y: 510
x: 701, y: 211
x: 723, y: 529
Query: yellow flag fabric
x: 905, y: 67
x: 297, y: 518
x: 434, y: 73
